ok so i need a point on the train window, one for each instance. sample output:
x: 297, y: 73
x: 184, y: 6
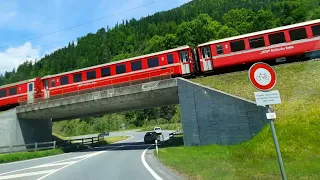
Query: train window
x: 137, y: 65
x: 277, y: 38
x: 316, y: 30
x: 298, y: 34
x: 206, y: 52
x: 153, y: 62
x: 237, y: 46
x: 184, y: 56
x: 121, y: 68
x: 13, y: 91
x: 46, y: 84
x: 77, y: 77
x: 219, y: 49
x: 53, y: 83
x: 170, y: 58
x: 105, y: 72
x: 256, y: 42
x: 30, y: 87
x: 3, y: 93
x: 64, y: 80
x: 91, y: 75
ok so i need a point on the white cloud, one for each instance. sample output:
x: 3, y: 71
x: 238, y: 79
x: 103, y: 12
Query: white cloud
x: 14, y: 56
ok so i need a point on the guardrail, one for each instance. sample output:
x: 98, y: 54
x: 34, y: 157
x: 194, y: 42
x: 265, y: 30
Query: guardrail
x: 49, y: 145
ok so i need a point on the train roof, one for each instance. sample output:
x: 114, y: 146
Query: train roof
x: 261, y: 32
x: 121, y: 61
x: 17, y: 83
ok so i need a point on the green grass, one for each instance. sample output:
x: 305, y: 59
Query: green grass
x: 297, y: 126
x: 173, y: 126
x: 5, y: 158
x: 114, y: 139
x: 111, y: 140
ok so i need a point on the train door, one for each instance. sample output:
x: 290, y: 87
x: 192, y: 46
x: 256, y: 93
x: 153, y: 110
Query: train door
x: 184, y: 61
x: 31, y: 92
x: 46, y: 89
x: 206, y: 58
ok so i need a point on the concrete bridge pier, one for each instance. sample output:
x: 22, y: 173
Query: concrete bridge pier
x: 17, y: 131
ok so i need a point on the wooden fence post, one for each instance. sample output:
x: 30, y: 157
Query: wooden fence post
x: 54, y: 144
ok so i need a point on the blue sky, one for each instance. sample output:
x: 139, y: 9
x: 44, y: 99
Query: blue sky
x: 21, y: 21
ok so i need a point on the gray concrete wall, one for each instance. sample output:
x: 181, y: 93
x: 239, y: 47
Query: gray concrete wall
x: 17, y: 131
x: 211, y: 116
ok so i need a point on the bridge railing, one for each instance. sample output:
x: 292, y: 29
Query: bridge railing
x: 49, y: 145
x: 100, y: 85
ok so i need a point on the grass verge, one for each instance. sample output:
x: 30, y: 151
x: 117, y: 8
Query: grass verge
x: 20, y: 156
x: 111, y: 140
x: 297, y: 126
x: 173, y: 126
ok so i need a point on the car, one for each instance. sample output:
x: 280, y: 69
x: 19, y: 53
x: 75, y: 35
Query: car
x: 103, y: 134
x: 157, y: 130
x: 150, y: 137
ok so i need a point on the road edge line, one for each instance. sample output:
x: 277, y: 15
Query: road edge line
x: 154, y: 174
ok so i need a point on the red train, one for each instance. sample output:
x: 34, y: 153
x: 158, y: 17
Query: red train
x: 273, y: 44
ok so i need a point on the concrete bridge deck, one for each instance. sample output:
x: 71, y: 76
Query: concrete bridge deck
x: 146, y: 95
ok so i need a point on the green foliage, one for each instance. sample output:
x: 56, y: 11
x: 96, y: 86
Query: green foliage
x: 113, y: 122
x: 297, y: 127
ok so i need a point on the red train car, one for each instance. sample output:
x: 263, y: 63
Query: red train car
x: 173, y: 62
x: 277, y: 43
x: 23, y: 91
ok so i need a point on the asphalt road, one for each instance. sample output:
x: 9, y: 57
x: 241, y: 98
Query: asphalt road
x: 128, y: 159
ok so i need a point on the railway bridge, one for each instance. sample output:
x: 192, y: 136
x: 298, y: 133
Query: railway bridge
x: 208, y: 116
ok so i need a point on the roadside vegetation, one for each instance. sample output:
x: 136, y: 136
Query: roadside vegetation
x: 111, y: 140
x: 297, y: 126
x: 20, y: 156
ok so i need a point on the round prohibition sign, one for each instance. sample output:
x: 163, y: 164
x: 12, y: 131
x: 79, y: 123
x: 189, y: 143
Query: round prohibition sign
x: 262, y: 76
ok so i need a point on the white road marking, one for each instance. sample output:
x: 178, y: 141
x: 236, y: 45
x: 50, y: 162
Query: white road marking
x: 85, y: 156
x: 56, y: 163
x: 97, y: 153
x: 26, y: 174
x: 155, y: 175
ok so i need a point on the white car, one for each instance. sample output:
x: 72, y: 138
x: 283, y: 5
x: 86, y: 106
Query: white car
x: 157, y: 130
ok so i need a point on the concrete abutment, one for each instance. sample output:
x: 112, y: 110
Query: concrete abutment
x: 18, y: 131
x: 210, y: 116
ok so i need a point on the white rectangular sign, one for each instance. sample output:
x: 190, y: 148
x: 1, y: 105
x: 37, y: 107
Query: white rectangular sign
x: 271, y: 115
x: 267, y: 98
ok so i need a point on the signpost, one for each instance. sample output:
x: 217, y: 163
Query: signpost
x: 263, y: 77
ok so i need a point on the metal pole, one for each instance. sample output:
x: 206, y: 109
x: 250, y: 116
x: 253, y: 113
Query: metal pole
x: 157, y: 146
x: 275, y: 140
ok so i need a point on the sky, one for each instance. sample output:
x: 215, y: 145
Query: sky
x: 21, y: 22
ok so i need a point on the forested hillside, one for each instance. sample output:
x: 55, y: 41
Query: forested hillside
x: 195, y: 22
